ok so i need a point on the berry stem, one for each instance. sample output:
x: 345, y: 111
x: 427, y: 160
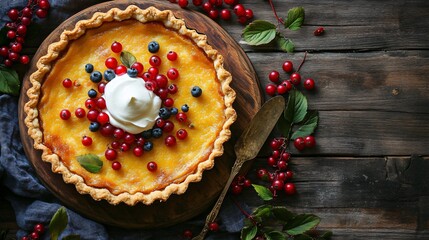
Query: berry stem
x: 244, y: 212
x: 302, y: 62
x: 279, y: 20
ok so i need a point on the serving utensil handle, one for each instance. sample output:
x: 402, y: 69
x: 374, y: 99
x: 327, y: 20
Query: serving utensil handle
x: 214, y: 212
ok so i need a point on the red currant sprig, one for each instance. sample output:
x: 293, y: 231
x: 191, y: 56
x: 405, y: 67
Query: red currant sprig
x: 216, y: 9
x: 38, y: 231
x: 17, y: 30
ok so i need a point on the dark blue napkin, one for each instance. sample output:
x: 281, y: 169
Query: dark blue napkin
x: 33, y: 203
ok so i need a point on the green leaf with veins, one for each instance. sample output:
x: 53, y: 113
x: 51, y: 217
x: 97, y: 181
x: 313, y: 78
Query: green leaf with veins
x: 90, y: 162
x: 259, y: 32
x: 309, y: 125
x: 285, y: 44
x: 284, y: 126
x: 295, y: 18
x: 263, y: 192
x: 275, y: 235
x: 262, y: 213
x: 127, y: 59
x: 249, y: 233
x: 296, y: 108
x: 9, y: 81
x: 58, y: 223
x: 282, y: 214
x: 301, y: 224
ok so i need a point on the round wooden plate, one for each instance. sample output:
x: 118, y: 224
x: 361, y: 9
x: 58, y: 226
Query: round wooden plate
x: 199, y: 196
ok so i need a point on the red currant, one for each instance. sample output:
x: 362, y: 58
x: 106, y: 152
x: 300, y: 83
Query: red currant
x: 162, y: 93
x: 161, y: 81
x: 34, y: 236
x: 319, y: 31
x: 168, y: 102
x: 8, y: 63
x: 155, y: 61
x: 289, y: 174
x: 282, y: 89
x: 181, y: 134
x: 111, y: 154
x: 13, y: 14
x: 86, y: 141
x: 140, y: 141
x: 295, y: 78
x: 101, y: 103
x: 92, y: 115
x: 239, y: 10
x: 183, y: 3
x: 271, y: 161
x: 160, y: 122
x: 13, y: 56
x: 4, y: 51
x: 282, y: 165
x: 249, y: 13
x: 139, y: 67
x: 170, y: 141
x: 67, y: 83
x: 236, y: 189
x: 172, y: 89
x: 286, y: 156
x: 287, y: 66
x: 25, y: 21
x: 168, y: 127
x: 27, y: 12
x: 197, y: 2
x: 41, y: 13
x: 263, y: 174
x: 275, y: 144
x: 277, y: 184
x: 181, y: 117
x: 21, y: 30
x: 207, y: 6
x: 290, y: 188
x: 287, y: 84
x: 125, y: 147
x: 39, y: 228
x: 271, y: 89
x: 214, y: 226
x: 153, y: 72
x: 172, y: 56
x: 275, y: 154
x: 214, y: 14
x: 152, y: 166
x: 118, y: 133
x: 115, y: 145
x: 129, y: 138
x: 44, y: 4
x: 309, y: 84
x: 116, y: 165
x: 116, y: 47
x: 103, y: 118
x: 188, y: 234
x: 231, y: 2
x: 111, y: 63
x: 310, y: 141
x: 172, y: 73
x: 24, y: 59
x: 16, y: 47
x: 65, y: 114
x: 138, y: 151
x: 299, y: 143
x: 225, y: 14
x: 274, y: 76
x: 120, y: 70
x: 80, y: 112
x: 107, y: 130
x: 242, y: 19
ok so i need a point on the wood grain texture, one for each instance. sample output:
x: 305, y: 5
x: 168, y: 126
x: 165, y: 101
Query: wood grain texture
x: 177, y: 208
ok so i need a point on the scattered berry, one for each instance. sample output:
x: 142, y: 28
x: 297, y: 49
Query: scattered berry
x: 116, y: 47
x: 309, y: 84
x: 299, y: 143
x: 319, y: 31
x: 172, y: 56
x: 65, y: 114
x: 86, y: 141
x: 116, y: 165
x: 67, y: 83
x: 287, y: 66
x: 152, y: 166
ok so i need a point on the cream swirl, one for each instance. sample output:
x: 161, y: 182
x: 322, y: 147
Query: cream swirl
x: 130, y: 105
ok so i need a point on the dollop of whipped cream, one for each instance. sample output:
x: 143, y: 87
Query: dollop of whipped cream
x: 130, y: 105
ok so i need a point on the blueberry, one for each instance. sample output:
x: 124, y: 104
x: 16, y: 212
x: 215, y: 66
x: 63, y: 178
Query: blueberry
x: 94, y: 126
x: 148, y: 146
x: 185, y: 108
x: 153, y: 47
x: 89, y: 68
x: 156, y: 132
x: 132, y: 72
x: 174, y: 111
x: 109, y: 74
x: 196, y: 91
x: 92, y: 93
x: 147, y: 134
x: 164, y: 113
x: 96, y: 76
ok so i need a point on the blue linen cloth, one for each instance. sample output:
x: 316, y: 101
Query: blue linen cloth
x: 33, y: 203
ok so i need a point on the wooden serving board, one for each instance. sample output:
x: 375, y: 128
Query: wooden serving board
x: 199, y: 196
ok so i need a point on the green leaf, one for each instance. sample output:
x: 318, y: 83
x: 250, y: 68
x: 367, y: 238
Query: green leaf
x: 296, y: 108
x: 295, y: 18
x: 302, y: 237
x: 58, y: 223
x: 284, y: 126
x: 308, y: 126
x: 9, y: 81
x: 248, y: 233
x: 71, y: 237
x: 326, y: 235
x: 282, y: 214
x: 275, y: 235
x: 127, y: 59
x: 262, y: 213
x: 90, y: 162
x: 285, y: 44
x: 259, y: 32
x: 301, y: 224
x: 263, y: 192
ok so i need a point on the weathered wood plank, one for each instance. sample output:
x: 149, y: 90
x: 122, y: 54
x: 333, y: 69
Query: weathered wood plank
x: 385, y: 81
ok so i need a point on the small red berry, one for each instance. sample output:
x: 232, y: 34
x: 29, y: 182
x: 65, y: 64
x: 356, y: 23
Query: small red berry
x: 140, y: 141
x: 138, y: 151
x: 8, y: 63
x: 181, y: 134
x: 242, y: 19
x: 207, y: 6
x: 231, y: 2
x: 153, y: 72
x: 27, y: 12
x: 162, y: 93
x: 170, y: 141
x: 172, y: 89
x: 290, y: 188
x: 129, y: 138
x: 181, y: 117
x: 65, y: 114
x: 139, y: 67
x: 16, y: 47
x: 25, y: 21
x: 247, y: 183
x: 120, y: 70
x: 263, y: 174
x: 125, y: 147
x: 39, y: 228
x: 118, y: 133
x: 282, y: 165
x: 101, y: 103
x: 225, y: 14
x: 41, y: 13
x: 274, y: 76
x: 116, y: 47
x: 44, y: 4
x: 236, y: 189
x: 282, y: 89
x: 13, y: 56
x: 24, y: 59
x: 183, y: 3
x: 103, y: 118
x: 80, y: 112
x: 271, y: 161
x: 310, y: 141
x: 155, y: 61
x: 239, y: 10
x: 111, y: 154
x: 249, y: 13
x: 299, y: 143
x: 11, y: 34
x: 319, y: 31
x: 13, y: 14
x: 86, y: 141
x: 197, y: 3
x: 214, y: 14
x: 92, y: 115
x: 275, y: 154
x: 172, y: 56
x: 295, y: 78
x: 4, y: 51
x: 25, y: 238
x: 21, y: 30
x: 289, y: 174
x: 168, y: 102
x: 287, y: 84
x: 188, y: 234
x: 214, y: 226
x: 67, y: 83
x: 286, y: 156
x: 287, y: 66
x: 161, y: 81
x: 275, y: 144
x: 172, y: 73
x: 277, y: 184
x: 281, y: 176
x: 160, y: 122
x: 111, y: 63
x: 116, y: 165
x: 309, y: 84
x: 168, y: 127
x: 115, y: 145
x: 107, y: 130
x: 34, y: 236
x: 152, y: 166
x: 271, y: 89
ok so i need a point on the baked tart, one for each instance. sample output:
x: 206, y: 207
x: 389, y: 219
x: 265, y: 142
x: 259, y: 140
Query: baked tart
x: 130, y: 106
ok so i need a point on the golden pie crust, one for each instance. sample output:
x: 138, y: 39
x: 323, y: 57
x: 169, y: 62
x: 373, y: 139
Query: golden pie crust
x: 50, y: 153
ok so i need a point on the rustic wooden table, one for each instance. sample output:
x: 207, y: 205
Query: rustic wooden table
x: 367, y: 177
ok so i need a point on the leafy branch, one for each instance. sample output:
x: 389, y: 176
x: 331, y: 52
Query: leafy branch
x: 261, y: 32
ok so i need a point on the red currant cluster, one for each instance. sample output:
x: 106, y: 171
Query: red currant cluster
x: 17, y: 29
x: 38, y: 230
x: 240, y: 182
x: 215, y: 9
x: 301, y: 143
x: 283, y: 87
x: 154, y: 81
x: 279, y: 162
